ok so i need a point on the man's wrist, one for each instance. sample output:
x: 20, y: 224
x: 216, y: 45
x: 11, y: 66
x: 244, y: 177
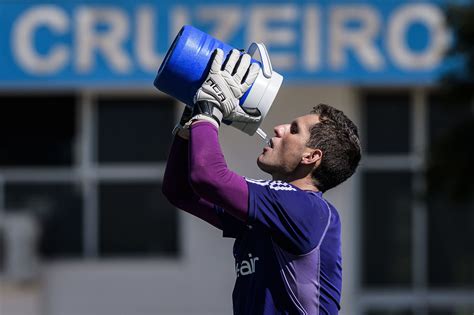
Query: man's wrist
x: 208, y: 110
x: 183, y: 133
x: 199, y: 118
x: 180, y: 129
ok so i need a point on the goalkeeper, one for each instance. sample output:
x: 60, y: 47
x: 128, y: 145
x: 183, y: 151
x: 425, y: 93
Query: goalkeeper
x: 287, y: 236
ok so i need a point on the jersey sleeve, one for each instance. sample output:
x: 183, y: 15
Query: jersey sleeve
x: 230, y: 225
x: 297, y: 220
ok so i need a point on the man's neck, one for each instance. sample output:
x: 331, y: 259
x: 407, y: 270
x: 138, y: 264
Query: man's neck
x: 304, y: 184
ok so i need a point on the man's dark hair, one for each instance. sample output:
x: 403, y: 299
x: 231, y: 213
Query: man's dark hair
x: 338, y: 138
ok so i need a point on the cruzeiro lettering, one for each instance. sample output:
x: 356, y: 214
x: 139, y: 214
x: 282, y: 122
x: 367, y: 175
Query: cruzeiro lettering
x: 246, y: 267
x: 313, y: 40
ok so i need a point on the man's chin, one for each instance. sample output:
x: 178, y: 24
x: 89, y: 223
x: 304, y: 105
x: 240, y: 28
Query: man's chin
x: 263, y: 166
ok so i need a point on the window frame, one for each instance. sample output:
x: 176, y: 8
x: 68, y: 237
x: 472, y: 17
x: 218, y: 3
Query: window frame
x: 419, y: 297
x: 85, y: 168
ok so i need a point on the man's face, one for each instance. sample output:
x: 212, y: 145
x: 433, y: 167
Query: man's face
x: 288, y: 146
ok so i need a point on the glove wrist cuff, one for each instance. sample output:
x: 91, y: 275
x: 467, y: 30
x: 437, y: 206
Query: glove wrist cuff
x: 209, y: 109
x: 181, y: 130
x: 202, y: 117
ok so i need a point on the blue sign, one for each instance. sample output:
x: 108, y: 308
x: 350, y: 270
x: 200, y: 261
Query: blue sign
x: 122, y: 43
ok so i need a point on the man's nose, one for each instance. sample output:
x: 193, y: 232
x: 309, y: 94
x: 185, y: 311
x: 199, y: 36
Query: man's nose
x: 279, y: 130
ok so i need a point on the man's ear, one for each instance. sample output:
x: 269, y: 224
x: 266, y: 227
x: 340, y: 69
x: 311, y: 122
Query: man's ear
x: 312, y: 156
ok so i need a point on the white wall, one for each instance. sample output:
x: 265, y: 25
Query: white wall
x: 200, y: 283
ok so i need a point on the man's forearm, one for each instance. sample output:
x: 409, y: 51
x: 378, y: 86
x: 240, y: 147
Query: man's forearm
x: 210, y: 177
x: 176, y: 186
x: 175, y: 180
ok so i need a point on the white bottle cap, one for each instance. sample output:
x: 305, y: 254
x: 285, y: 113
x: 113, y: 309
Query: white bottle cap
x: 263, y: 93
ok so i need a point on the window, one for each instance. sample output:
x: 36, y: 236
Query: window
x: 2, y: 250
x: 385, y: 312
x: 445, y: 115
x: 416, y: 234
x: 135, y: 219
x: 57, y: 208
x: 386, y: 217
x: 387, y: 123
x: 37, y: 130
x: 452, y: 311
x: 450, y: 201
x: 134, y: 130
x: 88, y: 169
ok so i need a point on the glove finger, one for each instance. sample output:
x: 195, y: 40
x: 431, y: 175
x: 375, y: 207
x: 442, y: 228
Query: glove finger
x: 239, y: 115
x: 242, y: 67
x: 217, y: 61
x: 252, y: 74
x: 232, y: 61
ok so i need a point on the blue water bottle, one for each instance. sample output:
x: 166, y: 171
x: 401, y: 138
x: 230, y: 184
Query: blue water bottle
x: 187, y: 63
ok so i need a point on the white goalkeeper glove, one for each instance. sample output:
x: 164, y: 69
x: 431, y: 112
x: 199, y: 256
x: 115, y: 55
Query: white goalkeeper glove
x: 218, y: 97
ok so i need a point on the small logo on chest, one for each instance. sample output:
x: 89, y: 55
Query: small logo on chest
x: 246, y: 267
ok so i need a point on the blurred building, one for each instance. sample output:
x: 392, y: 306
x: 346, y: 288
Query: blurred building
x: 85, y: 137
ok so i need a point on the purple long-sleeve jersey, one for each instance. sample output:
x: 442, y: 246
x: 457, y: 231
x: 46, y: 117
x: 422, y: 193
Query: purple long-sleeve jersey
x: 287, y: 246
x: 287, y: 254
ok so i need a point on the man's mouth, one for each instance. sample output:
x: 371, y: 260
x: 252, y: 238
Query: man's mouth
x: 269, y: 144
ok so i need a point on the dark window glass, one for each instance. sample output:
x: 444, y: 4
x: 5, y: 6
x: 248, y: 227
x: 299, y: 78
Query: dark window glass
x: 453, y: 311
x: 135, y: 130
x: 386, y: 228
x: 444, y: 116
x: 387, y: 123
x: 136, y: 220
x: 389, y: 312
x: 2, y: 249
x: 450, y: 196
x: 58, y: 210
x: 450, y: 167
x: 451, y: 242
x: 37, y: 130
